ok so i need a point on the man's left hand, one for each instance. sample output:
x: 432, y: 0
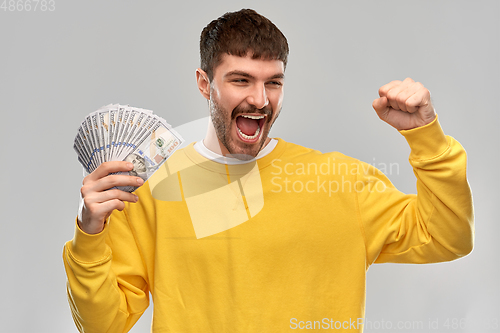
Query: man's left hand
x: 404, y: 105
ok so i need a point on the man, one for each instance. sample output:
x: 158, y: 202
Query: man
x: 244, y: 233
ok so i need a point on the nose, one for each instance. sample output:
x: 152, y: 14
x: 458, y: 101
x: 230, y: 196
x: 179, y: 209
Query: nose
x: 258, y: 96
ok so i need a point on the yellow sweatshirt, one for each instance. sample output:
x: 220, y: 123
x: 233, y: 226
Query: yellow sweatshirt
x: 276, y: 245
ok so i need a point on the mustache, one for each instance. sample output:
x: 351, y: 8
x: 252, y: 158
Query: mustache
x: 239, y: 110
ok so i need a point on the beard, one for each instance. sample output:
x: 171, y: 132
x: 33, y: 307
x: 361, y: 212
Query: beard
x: 222, y: 120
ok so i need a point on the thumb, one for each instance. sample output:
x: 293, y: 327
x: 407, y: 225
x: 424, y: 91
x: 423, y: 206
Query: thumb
x: 380, y: 106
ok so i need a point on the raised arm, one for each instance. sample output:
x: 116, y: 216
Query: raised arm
x: 436, y: 224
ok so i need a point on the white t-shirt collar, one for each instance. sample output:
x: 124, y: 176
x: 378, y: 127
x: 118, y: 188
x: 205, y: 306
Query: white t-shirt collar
x: 207, y: 153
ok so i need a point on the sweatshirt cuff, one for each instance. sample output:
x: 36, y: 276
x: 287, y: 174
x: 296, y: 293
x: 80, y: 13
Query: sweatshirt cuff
x: 89, y: 248
x: 426, y: 142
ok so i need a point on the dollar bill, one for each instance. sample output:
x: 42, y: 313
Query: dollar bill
x: 152, y: 151
x: 123, y: 133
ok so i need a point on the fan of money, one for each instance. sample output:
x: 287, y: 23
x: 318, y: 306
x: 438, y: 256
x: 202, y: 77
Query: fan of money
x: 123, y: 133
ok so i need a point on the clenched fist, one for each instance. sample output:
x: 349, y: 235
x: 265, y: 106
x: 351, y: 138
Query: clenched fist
x: 404, y: 105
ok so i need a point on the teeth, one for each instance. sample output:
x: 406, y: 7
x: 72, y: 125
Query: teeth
x: 252, y: 117
x: 248, y: 137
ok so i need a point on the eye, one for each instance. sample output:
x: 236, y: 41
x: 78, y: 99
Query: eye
x: 240, y: 81
x: 275, y: 83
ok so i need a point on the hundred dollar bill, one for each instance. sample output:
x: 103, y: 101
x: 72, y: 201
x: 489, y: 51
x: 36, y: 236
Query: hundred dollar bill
x: 123, y: 133
x: 143, y: 131
x: 128, y: 123
x: 126, y: 116
x: 92, y: 123
x: 78, y: 150
x: 90, y: 137
x: 87, y: 147
x: 152, y: 151
x: 134, y: 127
x: 83, y: 157
x: 117, y: 127
x: 113, y: 114
x: 103, y: 118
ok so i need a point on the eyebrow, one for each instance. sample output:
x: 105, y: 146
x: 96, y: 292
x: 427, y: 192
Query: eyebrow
x: 245, y: 74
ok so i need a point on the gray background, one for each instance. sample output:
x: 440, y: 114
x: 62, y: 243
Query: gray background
x: 56, y: 67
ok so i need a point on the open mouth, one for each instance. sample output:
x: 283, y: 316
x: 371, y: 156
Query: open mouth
x: 249, y: 126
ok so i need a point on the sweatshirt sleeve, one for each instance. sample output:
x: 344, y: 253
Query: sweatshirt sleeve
x: 106, y: 278
x: 433, y: 226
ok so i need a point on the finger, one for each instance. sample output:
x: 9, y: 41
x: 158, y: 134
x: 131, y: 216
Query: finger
x: 382, y: 107
x: 106, y: 168
x: 380, y: 104
x: 392, y: 95
x: 394, y: 92
x: 110, y: 181
x: 98, y: 211
x: 100, y: 197
x: 421, y: 97
x: 385, y: 88
x: 403, y: 95
x: 408, y: 81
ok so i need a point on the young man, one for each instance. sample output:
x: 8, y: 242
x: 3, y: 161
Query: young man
x: 244, y: 233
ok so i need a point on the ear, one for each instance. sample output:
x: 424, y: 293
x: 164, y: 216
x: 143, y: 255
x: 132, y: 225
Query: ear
x: 203, y: 83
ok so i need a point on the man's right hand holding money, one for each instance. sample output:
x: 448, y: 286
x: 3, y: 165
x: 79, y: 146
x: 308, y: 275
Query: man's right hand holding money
x: 98, y: 201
